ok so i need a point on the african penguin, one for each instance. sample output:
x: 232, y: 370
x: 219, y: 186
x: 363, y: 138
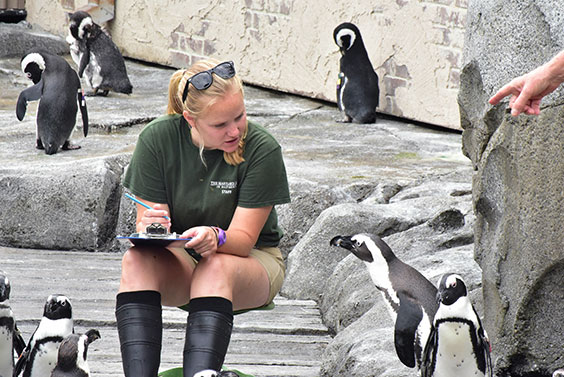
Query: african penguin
x: 96, y: 56
x: 458, y: 344
x: 411, y: 298
x: 40, y: 355
x: 10, y: 338
x: 57, y: 87
x: 357, y: 85
x: 71, y: 359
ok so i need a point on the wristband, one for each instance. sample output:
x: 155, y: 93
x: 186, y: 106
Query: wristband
x: 221, y: 236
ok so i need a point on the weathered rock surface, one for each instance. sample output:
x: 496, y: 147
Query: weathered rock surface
x: 518, y: 183
x: 27, y: 38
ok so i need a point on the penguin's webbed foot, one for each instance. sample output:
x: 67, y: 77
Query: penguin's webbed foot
x: 39, y: 144
x: 345, y: 119
x: 67, y: 146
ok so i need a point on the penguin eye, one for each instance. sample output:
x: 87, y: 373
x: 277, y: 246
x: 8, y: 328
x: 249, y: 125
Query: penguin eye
x: 28, y: 74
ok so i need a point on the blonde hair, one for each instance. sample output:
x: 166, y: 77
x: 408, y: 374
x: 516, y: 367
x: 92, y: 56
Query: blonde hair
x: 198, y: 101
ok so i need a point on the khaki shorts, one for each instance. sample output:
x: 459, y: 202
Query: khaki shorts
x: 270, y: 258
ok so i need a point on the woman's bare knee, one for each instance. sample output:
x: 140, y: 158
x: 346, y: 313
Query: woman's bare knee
x: 138, y: 270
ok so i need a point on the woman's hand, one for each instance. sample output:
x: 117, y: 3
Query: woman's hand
x: 146, y: 217
x: 204, y: 240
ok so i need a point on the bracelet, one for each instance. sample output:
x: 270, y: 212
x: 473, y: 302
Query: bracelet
x: 221, y: 236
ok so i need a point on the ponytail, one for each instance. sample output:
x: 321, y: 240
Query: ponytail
x: 175, y: 105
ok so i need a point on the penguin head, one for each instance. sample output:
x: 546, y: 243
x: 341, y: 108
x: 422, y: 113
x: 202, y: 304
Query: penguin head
x: 345, y: 36
x: 366, y: 247
x: 80, y: 25
x: 57, y: 307
x: 4, y: 287
x: 451, y: 288
x: 73, y: 350
x: 33, y: 65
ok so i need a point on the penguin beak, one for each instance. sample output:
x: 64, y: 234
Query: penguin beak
x: 92, y: 335
x: 4, y: 293
x: 346, y: 242
x: 342, y: 241
x: 439, y: 297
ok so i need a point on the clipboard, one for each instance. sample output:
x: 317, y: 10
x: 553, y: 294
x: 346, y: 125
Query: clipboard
x: 154, y: 241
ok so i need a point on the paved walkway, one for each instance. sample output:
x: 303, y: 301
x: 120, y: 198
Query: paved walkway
x: 287, y: 341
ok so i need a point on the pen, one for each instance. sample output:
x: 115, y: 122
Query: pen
x: 140, y: 202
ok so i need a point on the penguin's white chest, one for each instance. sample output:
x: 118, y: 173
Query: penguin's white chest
x: 455, y: 355
x: 94, y: 71
x: 6, y: 352
x: 45, y: 359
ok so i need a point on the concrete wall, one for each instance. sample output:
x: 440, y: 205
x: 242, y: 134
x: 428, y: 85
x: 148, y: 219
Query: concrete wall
x: 415, y: 46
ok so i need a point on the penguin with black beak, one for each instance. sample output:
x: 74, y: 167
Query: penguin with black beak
x: 358, y: 92
x: 57, y: 87
x: 71, y: 358
x: 411, y: 298
x: 458, y: 345
x: 11, y: 341
x: 40, y: 355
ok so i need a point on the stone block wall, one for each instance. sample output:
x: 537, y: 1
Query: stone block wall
x: 415, y: 46
x: 518, y: 183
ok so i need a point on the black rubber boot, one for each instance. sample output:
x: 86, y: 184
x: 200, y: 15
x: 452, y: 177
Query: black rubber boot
x: 210, y: 321
x: 140, y: 328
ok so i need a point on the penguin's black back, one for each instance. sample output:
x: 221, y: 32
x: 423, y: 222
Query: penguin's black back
x: 414, y: 285
x: 56, y: 115
x: 361, y: 93
x: 112, y: 65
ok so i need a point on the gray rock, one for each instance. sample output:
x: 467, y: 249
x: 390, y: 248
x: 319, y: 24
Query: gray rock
x: 309, y: 199
x: 64, y: 206
x: 349, y: 293
x: 365, y: 348
x: 518, y: 183
x: 17, y: 39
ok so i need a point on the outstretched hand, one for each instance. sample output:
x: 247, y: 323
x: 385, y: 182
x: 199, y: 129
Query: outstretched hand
x: 528, y: 90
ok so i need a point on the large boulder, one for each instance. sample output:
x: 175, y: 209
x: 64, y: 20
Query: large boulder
x: 518, y: 196
x: 61, y: 205
x: 17, y: 39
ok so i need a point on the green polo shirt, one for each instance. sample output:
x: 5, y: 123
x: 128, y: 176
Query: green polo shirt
x: 166, y: 168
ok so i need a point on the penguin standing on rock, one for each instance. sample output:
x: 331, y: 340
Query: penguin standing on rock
x: 10, y: 338
x: 458, y: 344
x: 411, y: 298
x: 57, y: 87
x: 40, y: 355
x: 71, y: 359
x: 97, y: 56
x: 357, y: 86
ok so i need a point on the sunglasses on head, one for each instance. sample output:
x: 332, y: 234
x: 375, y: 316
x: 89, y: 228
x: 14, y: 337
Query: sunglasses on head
x: 203, y: 80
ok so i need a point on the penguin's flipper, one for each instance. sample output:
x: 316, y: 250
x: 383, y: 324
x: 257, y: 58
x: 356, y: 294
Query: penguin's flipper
x: 83, y: 110
x: 19, y: 342
x: 84, y: 60
x: 484, y: 345
x: 409, y: 316
x: 33, y: 93
x: 22, y: 361
x: 428, y: 357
